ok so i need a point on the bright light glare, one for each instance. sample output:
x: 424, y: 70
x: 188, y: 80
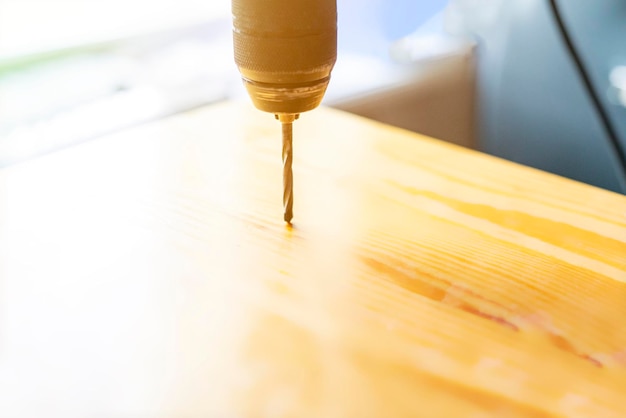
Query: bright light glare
x: 618, y: 80
x: 123, y: 108
x: 618, y: 77
x: 31, y: 26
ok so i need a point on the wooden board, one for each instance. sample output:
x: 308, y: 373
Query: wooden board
x: 149, y: 274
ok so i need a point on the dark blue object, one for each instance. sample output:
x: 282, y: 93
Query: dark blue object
x: 536, y: 106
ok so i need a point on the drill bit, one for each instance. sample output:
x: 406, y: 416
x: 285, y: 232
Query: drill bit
x: 287, y: 170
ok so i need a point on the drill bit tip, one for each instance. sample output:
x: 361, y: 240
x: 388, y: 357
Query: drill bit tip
x: 287, y: 125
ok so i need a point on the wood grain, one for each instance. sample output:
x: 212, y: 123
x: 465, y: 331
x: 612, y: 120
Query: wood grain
x: 149, y: 273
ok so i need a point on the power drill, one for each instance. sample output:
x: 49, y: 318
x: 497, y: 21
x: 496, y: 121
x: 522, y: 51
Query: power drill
x: 285, y: 51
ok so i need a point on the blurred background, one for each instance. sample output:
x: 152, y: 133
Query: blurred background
x: 474, y: 73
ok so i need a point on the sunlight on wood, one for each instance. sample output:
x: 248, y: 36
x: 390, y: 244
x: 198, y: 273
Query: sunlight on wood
x: 149, y: 273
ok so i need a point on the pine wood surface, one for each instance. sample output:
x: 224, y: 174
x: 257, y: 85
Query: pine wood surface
x: 149, y: 273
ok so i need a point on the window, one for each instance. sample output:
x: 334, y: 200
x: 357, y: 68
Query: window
x: 31, y: 26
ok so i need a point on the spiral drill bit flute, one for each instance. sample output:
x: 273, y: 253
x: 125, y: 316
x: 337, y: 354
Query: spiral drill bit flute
x: 287, y: 124
x: 285, y: 51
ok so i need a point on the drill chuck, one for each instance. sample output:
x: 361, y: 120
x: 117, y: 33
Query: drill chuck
x: 285, y: 51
